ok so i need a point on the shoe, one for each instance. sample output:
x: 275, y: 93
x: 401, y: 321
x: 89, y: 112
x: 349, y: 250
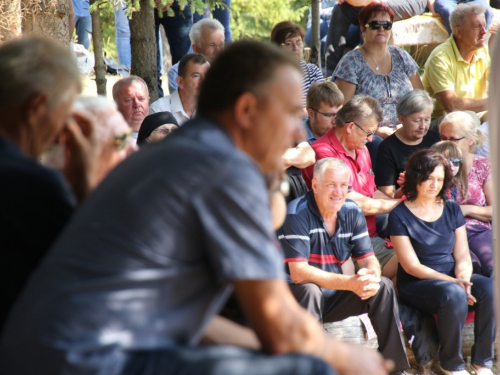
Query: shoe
x: 462, y: 372
x: 482, y: 370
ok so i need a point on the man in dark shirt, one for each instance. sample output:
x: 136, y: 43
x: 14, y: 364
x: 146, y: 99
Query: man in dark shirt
x: 321, y: 232
x: 139, y: 273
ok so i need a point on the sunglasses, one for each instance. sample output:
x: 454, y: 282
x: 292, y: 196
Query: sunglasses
x: 455, y: 161
x: 375, y: 25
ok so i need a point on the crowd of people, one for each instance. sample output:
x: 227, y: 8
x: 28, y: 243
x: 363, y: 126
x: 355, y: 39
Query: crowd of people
x: 127, y: 224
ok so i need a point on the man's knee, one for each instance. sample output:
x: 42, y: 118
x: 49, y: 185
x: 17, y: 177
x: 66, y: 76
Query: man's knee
x: 310, y: 297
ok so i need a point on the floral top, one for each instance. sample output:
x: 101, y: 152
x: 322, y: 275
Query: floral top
x: 386, y: 88
x: 479, y: 175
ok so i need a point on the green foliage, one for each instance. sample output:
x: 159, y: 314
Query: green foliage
x: 256, y: 18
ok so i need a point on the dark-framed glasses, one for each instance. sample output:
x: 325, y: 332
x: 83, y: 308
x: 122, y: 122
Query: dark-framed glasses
x: 327, y: 115
x: 122, y: 140
x: 455, y: 140
x: 368, y: 134
x: 375, y: 25
x: 455, y: 161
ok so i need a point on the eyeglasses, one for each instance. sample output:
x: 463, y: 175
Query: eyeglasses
x: 368, y: 134
x: 290, y: 45
x: 455, y: 140
x: 455, y: 161
x: 121, y: 141
x: 375, y: 25
x: 327, y: 115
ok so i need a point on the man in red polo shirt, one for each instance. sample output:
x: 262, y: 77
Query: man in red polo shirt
x: 355, y: 125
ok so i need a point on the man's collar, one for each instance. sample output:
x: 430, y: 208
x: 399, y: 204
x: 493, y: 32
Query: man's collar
x: 307, y: 125
x: 176, y: 104
x: 313, y: 206
x: 336, y: 143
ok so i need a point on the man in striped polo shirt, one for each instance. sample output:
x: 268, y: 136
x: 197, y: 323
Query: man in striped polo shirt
x: 321, y: 232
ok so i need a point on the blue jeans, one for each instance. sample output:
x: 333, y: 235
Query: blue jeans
x: 449, y: 301
x: 221, y: 14
x: 445, y: 7
x: 83, y: 26
x: 122, y: 32
x: 216, y: 360
x: 177, y: 31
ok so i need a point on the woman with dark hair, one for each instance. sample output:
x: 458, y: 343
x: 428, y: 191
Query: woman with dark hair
x: 435, y: 268
x: 377, y: 69
x: 291, y: 38
x: 156, y: 127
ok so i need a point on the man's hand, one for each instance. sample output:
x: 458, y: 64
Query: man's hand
x: 365, y: 283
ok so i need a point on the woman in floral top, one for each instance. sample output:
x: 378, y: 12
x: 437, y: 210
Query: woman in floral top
x: 476, y: 198
x: 376, y: 69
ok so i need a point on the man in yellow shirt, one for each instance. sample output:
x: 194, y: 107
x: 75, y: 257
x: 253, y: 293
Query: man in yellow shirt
x: 456, y: 72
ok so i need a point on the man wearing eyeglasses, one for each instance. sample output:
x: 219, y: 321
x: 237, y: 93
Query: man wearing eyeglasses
x: 324, y: 100
x: 355, y: 126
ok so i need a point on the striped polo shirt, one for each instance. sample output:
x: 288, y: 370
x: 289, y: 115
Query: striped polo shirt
x: 304, y: 237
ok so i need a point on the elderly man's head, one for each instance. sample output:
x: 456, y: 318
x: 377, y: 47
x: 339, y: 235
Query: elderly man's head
x: 192, y: 70
x: 132, y: 98
x: 468, y: 23
x: 358, y: 120
x: 207, y: 38
x: 39, y: 80
x: 330, y: 184
x: 324, y: 100
x: 254, y: 90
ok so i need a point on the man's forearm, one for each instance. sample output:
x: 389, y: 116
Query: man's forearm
x: 371, y: 206
x: 302, y: 273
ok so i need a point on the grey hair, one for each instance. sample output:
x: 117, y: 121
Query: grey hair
x: 463, y: 11
x: 35, y: 65
x: 205, y: 23
x: 360, y: 107
x: 468, y: 126
x: 413, y: 102
x: 329, y: 163
x: 127, y: 81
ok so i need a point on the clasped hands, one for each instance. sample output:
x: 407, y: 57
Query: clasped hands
x: 365, y: 283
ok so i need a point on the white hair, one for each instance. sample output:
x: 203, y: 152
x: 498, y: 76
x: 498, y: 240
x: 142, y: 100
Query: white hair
x: 329, y: 163
x: 463, y: 11
x: 205, y: 23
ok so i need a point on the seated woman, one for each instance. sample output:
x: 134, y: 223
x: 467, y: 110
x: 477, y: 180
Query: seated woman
x: 377, y: 69
x: 156, y: 127
x: 414, y: 112
x: 291, y: 38
x: 435, y: 270
x: 476, y: 201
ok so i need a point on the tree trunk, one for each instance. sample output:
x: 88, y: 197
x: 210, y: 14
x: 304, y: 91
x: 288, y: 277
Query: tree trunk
x: 10, y: 19
x: 143, y: 46
x: 100, y: 67
x: 50, y: 18
x: 315, y: 35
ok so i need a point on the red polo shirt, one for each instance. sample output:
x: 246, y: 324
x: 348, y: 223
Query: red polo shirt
x: 362, y: 178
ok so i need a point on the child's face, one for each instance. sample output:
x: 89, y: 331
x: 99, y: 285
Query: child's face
x: 455, y: 165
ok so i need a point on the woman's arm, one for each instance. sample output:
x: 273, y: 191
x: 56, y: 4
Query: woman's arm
x: 463, y: 262
x: 416, y: 82
x: 483, y: 213
x: 347, y: 88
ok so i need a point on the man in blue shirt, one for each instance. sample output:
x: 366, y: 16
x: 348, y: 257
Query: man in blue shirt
x: 321, y: 232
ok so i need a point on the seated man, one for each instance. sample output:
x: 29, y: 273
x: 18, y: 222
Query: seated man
x: 183, y: 102
x: 146, y: 264
x: 322, y: 230
x: 131, y: 95
x: 323, y: 101
x: 456, y: 72
x: 355, y: 125
x: 207, y: 39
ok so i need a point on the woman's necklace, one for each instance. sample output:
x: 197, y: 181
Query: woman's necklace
x: 380, y: 62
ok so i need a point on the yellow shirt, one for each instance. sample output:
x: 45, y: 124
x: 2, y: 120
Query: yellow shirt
x: 445, y: 69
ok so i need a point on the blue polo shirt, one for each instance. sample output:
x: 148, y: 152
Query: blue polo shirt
x: 309, y: 134
x: 304, y: 237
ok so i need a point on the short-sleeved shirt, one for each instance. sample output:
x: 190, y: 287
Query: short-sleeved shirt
x: 148, y: 259
x: 433, y: 242
x: 171, y: 103
x: 309, y: 134
x: 479, y: 175
x: 386, y: 88
x: 304, y: 236
x: 311, y: 74
x: 446, y: 70
x: 392, y: 155
x: 362, y: 179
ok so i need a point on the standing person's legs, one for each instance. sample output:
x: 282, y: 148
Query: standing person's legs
x: 83, y: 26
x: 382, y: 310
x: 449, y: 301
x: 481, y: 248
x: 223, y: 15
x: 177, y: 30
x: 484, y: 321
x: 122, y: 32
x: 342, y: 17
x: 444, y: 9
x: 216, y: 360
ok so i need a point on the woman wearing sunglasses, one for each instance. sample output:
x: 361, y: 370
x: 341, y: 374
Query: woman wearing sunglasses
x: 377, y: 69
x: 476, y: 200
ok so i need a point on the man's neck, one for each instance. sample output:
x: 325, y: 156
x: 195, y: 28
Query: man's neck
x: 466, y: 52
x: 188, y: 103
x: 330, y: 219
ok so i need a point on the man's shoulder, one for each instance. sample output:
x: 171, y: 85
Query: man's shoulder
x: 442, y: 51
x: 161, y: 105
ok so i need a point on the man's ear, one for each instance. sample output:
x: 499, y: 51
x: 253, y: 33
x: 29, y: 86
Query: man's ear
x: 179, y: 82
x: 195, y: 48
x: 36, y: 109
x: 245, y: 109
x: 85, y: 124
x: 314, y: 185
x: 456, y: 32
x: 310, y: 112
